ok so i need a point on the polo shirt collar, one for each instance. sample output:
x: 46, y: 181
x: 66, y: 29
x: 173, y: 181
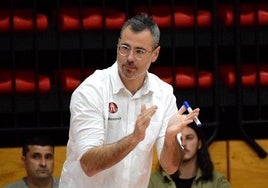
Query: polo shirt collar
x: 150, y: 85
x: 115, y: 80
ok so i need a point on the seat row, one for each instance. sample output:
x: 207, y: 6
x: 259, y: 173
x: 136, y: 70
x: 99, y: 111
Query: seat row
x: 189, y: 77
x: 96, y: 18
x: 25, y: 81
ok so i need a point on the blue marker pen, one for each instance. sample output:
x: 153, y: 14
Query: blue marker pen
x: 189, y: 109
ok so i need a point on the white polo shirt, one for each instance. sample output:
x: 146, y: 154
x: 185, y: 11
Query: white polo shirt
x: 95, y: 123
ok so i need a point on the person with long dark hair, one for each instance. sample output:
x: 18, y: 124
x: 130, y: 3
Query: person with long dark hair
x: 196, y: 169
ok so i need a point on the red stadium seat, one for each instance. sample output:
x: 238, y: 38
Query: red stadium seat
x: 161, y: 14
x: 248, y: 72
x: 24, y: 82
x: 69, y: 19
x: 186, y: 78
x: 247, y: 14
x: 263, y: 14
x: 23, y: 20
x: 264, y: 75
x: 71, y: 78
x: 163, y: 72
x: 183, y: 16
x: 92, y: 18
x: 114, y: 19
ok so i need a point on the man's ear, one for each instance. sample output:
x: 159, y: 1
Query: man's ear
x: 155, y: 54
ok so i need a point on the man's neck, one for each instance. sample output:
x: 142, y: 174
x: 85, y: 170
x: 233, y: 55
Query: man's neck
x: 188, y: 169
x: 39, y: 183
x: 133, y: 85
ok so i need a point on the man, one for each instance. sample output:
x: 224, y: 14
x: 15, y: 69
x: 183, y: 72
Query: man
x: 196, y: 170
x: 38, y: 160
x: 118, y: 114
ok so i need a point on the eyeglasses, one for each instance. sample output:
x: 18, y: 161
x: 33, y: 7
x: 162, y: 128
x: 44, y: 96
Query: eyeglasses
x: 138, y: 53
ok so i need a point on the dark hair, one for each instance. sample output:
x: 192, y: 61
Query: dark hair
x: 141, y: 22
x: 41, y: 140
x: 203, y: 157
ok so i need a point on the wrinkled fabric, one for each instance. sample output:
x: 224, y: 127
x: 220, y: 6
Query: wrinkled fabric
x: 93, y: 123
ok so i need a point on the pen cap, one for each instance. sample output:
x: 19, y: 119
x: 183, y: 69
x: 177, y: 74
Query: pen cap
x: 186, y: 104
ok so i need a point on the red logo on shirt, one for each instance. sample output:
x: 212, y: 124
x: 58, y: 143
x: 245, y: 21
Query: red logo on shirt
x: 112, y: 107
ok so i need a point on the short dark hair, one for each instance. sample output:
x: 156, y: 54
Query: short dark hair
x: 41, y: 140
x: 142, y: 22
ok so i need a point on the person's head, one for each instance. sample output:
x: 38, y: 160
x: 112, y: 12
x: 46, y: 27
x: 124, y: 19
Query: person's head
x: 38, y: 157
x: 138, y: 46
x: 195, y: 148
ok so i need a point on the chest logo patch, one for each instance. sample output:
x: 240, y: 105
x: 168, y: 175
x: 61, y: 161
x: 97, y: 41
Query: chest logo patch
x: 112, y: 107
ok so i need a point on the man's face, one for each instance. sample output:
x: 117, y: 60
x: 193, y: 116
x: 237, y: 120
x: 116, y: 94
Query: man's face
x: 131, y: 67
x: 39, y: 161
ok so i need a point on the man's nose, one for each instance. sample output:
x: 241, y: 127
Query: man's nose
x: 43, y: 162
x: 131, y: 55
